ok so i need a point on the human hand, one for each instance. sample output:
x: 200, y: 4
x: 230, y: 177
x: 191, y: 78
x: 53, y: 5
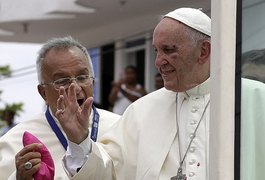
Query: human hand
x: 117, y: 84
x: 72, y: 117
x: 46, y: 170
x: 29, y: 153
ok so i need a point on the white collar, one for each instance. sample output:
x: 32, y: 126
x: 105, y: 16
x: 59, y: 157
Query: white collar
x: 201, y: 89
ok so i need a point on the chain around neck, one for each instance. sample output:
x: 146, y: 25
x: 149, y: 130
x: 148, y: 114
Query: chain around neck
x: 194, y: 133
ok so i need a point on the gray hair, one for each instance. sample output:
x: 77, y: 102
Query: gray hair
x: 195, y: 35
x: 60, y: 43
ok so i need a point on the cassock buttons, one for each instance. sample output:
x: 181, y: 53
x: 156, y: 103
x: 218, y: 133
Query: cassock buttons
x: 191, y: 174
x: 195, y: 98
x: 194, y: 110
x: 192, y: 161
x: 193, y: 122
x: 192, y: 135
x: 192, y: 149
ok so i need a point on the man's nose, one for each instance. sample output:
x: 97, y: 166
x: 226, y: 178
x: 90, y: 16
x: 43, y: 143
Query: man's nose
x: 159, y: 60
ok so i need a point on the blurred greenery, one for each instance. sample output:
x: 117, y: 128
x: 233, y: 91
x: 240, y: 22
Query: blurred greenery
x: 15, y: 108
x: 5, y: 71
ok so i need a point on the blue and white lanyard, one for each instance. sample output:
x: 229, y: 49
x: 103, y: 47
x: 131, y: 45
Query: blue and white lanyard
x: 59, y: 134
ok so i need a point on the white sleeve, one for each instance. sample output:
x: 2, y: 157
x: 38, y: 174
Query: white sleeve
x: 76, y: 155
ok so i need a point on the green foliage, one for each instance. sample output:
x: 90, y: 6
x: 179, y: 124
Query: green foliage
x: 5, y: 71
x: 14, y: 108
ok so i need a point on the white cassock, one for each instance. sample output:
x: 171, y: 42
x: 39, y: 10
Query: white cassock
x: 144, y: 144
x: 11, y: 143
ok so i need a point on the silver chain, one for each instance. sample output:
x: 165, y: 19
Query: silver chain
x: 194, y: 133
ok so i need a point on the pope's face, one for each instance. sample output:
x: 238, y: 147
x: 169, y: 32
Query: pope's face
x: 176, y: 57
x: 64, y: 63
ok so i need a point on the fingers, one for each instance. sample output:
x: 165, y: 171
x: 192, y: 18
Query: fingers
x: 72, y: 116
x: 66, y: 99
x: 24, y: 174
x: 35, y: 147
x: 72, y: 93
x: 62, y: 101
x: 28, y: 154
x: 87, y: 106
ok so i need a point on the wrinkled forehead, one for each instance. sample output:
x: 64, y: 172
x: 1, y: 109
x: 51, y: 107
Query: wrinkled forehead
x: 167, y: 24
x: 167, y: 30
x: 66, y: 50
x: 69, y: 60
x: 65, y: 55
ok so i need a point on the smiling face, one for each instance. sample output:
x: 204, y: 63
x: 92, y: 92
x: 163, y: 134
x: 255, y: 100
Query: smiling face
x: 180, y: 61
x: 62, y: 63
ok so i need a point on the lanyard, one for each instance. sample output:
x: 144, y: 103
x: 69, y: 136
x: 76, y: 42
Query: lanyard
x: 59, y: 134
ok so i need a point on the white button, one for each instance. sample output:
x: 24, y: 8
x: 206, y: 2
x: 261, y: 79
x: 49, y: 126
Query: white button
x: 192, y: 149
x: 191, y: 174
x: 195, y: 98
x: 193, y: 110
x: 192, y: 161
x: 192, y: 135
x: 193, y: 122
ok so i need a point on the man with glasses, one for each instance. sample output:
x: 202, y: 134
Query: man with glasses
x: 63, y: 64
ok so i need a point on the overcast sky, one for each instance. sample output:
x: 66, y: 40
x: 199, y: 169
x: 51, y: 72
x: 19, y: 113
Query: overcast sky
x: 23, y: 87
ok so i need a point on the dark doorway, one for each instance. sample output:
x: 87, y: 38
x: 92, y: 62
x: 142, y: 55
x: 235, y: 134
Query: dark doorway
x: 107, y: 60
x: 140, y: 64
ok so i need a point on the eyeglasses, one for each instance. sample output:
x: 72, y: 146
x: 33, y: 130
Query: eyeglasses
x: 66, y: 82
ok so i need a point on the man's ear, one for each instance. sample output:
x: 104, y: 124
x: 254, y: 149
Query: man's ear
x: 42, y: 92
x: 205, y: 52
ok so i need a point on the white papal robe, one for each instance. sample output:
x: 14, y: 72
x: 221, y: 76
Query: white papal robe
x: 11, y: 143
x: 144, y: 144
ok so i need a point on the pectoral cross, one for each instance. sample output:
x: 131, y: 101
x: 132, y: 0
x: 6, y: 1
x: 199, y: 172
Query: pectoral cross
x: 180, y: 175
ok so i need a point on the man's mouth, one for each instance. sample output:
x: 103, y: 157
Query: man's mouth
x: 166, y: 70
x: 80, y: 101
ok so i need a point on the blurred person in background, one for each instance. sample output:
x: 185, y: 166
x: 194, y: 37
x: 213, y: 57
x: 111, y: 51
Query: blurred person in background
x: 9, y: 118
x: 8, y: 114
x: 159, y: 82
x: 126, y: 90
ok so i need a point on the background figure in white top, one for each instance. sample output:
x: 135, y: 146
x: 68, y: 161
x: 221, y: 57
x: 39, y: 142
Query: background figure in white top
x: 126, y: 90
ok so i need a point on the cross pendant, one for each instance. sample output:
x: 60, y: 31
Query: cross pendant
x: 180, y: 175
